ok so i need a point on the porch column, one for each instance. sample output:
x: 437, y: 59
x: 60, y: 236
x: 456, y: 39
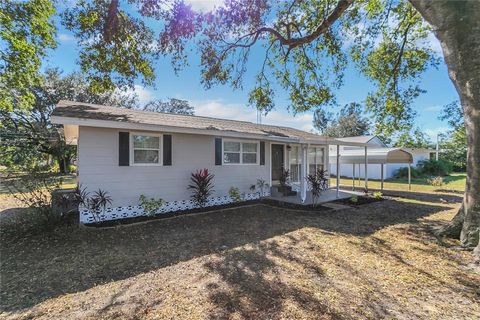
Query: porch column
x: 303, y: 174
x: 409, y: 177
x: 353, y: 177
x: 381, y: 186
x: 366, y: 169
x: 338, y: 171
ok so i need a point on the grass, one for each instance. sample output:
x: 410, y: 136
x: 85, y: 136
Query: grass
x: 374, y: 261
x: 453, y: 182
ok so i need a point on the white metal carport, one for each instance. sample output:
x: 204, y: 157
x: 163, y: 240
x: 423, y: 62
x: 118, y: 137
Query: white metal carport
x: 374, y: 156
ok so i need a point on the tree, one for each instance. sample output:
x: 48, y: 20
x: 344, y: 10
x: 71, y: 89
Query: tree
x: 307, y: 45
x: 171, y: 106
x: 26, y: 33
x: 415, y: 139
x: 28, y: 133
x: 454, y: 143
x: 349, y: 122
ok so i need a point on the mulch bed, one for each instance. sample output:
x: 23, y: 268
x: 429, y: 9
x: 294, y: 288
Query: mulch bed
x: 270, y: 202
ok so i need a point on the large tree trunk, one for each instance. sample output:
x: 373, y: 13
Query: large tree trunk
x: 457, y: 25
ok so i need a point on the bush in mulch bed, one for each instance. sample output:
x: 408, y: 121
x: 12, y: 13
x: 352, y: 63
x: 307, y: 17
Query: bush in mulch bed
x: 361, y: 200
x: 270, y: 202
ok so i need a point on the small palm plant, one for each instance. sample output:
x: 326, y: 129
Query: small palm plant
x: 284, y: 176
x: 317, y: 182
x: 201, y: 186
x: 98, y: 201
x: 262, y: 186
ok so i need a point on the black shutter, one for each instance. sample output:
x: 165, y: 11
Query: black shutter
x: 167, y: 150
x: 218, y: 151
x: 262, y: 153
x: 123, y: 149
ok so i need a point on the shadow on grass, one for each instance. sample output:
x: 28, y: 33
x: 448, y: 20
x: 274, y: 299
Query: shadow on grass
x: 38, y: 267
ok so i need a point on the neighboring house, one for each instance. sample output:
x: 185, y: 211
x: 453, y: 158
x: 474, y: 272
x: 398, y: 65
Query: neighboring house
x: 130, y: 152
x: 374, y: 143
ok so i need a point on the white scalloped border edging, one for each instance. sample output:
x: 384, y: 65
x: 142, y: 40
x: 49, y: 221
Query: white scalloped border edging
x: 137, y: 211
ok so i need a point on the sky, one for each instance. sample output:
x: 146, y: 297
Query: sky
x: 224, y: 102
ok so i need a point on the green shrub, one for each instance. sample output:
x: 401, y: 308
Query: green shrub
x: 235, y: 194
x: 434, y: 167
x: 201, y: 186
x: 377, y: 195
x: 435, y: 181
x: 354, y: 199
x: 150, y: 205
x: 402, y: 173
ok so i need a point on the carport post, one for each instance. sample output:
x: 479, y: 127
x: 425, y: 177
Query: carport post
x: 366, y: 170
x: 381, y: 186
x: 338, y: 171
x: 409, y: 178
x: 353, y: 177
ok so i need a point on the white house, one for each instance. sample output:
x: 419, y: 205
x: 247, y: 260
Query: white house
x: 130, y: 152
x: 374, y: 143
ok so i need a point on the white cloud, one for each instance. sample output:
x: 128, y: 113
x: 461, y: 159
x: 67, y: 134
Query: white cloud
x: 64, y: 37
x: 204, y: 5
x: 144, y: 95
x: 219, y: 109
x: 433, y: 108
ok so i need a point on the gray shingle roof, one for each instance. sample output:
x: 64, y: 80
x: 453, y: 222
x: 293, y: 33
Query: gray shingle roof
x: 70, y: 109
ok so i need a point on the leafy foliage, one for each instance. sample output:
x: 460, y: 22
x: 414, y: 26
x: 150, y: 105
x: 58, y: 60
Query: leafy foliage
x: 116, y: 47
x: 201, y: 186
x: 354, y: 199
x: 434, y: 168
x: 262, y: 186
x: 402, y: 173
x: 436, y: 181
x: 171, y: 106
x: 317, y: 182
x: 27, y: 32
x: 350, y: 122
x: 415, y: 139
x: 377, y: 195
x: 150, y: 205
x: 454, y: 143
x: 235, y: 194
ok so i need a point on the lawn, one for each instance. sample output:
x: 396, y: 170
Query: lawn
x: 378, y: 260
x: 453, y: 182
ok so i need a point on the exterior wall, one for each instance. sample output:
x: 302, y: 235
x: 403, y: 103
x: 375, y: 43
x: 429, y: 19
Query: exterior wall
x: 98, y: 168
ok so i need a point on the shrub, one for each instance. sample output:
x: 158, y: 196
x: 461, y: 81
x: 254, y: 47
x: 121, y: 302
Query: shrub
x: 284, y: 176
x: 354, y: 199
x: 377, y: 195
x: 201, y: 186
x: 434, y: 167
x: 150, y: 205
x: 235, y: 194
x: 402, y: 173
x: 262, y: 185
x: 317, y: 182
x: 435, y: 181
x: 97, y: 203
x: 34, y: 191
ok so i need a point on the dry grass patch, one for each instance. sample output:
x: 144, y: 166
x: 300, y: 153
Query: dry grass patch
x: 375, y: 261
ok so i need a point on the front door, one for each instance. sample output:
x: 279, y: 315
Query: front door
x: 277, y: 161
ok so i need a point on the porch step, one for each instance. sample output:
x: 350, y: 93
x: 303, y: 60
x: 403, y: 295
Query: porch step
x: 284, y: 191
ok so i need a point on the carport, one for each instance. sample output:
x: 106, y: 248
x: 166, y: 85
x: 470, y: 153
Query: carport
x: 380, y: 156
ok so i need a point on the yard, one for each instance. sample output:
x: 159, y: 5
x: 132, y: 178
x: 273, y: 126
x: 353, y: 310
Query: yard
x: 378, y: 260
x: 452, y: 182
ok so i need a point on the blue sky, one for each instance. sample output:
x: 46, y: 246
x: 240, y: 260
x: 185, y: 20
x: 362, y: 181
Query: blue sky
x: 223, y: 102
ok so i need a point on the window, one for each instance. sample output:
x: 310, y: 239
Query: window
x: 315, y: 159
x: 236, y: 152
x: 295, y: 157
x: 146, y: 149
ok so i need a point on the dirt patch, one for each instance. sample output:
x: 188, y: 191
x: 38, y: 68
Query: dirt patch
x: 376, y: 261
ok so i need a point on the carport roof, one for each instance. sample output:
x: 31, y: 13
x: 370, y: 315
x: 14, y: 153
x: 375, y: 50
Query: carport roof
x: 375, y: 156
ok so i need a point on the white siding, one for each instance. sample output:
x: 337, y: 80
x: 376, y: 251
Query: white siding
x: 98, y: 168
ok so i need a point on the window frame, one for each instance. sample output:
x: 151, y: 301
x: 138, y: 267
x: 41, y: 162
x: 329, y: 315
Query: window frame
x: 257, y: 152
x: 160, y: 149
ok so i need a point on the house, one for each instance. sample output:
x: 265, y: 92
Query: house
x: 130, y: 152
x: 374, y: 170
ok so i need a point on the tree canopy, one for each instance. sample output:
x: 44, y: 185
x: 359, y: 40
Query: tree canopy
x: 349, y: 122
x: 413, y: 139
